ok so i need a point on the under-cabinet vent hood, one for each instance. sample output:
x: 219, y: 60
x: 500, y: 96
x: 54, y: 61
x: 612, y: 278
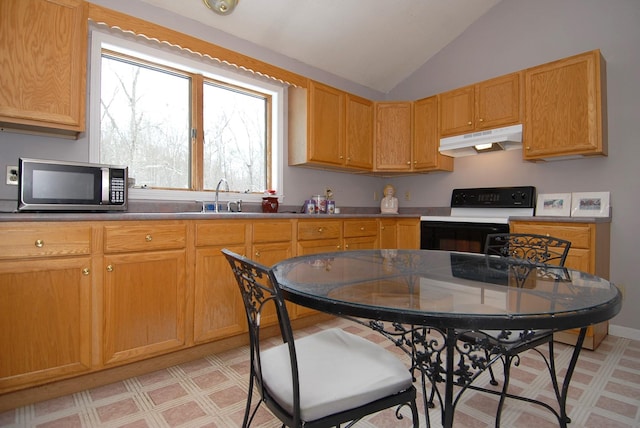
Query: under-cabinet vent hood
x: 507, y: 138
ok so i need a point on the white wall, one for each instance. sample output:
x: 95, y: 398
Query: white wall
x: 516, y: 34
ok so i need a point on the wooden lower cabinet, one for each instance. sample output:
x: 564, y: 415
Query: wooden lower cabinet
x: 85, y: 297
x: 272, y: 241
x: 360, y: 234
x: 401, y: 233
x: 218, y: 309
x: 144, y: 290
x: 589, y: 252
x: 46, y: 289
x: 45, y: 320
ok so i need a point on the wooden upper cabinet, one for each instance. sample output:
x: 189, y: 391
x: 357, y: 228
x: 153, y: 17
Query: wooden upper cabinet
x: 326, y: 125
x: 393, y: 135
x: 565, y: 112
x: 456, y: 111
x: 43, y: 55
x: 359, y: 133
x: 426, y: 156
x: 330, y: 128
x: 485, y: 105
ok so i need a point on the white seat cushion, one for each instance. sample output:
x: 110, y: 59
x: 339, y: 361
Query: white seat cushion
x: 338, y: 371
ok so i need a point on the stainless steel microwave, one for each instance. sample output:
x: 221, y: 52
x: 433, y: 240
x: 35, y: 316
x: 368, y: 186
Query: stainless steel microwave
x: 50, y: 185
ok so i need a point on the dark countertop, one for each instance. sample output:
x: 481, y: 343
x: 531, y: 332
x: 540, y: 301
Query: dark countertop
x: 553, y: 219
x: 115, y: 216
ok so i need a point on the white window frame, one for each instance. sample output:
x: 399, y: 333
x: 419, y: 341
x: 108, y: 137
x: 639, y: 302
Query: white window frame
x: 192, y: 63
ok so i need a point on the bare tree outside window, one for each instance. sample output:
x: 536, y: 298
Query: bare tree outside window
x: 146, y: 120
x: 234, y: 138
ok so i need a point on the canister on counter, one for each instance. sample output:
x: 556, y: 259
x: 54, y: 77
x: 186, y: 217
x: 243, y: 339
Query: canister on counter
x: 331, y: 207
x: 310, y: 206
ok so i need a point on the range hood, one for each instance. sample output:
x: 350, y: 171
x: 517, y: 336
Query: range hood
x: 507, y: 138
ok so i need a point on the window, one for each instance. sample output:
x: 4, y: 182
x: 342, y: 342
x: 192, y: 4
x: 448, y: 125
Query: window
x: 181, y: 122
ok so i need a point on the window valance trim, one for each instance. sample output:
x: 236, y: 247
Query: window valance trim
x: 117, y: 20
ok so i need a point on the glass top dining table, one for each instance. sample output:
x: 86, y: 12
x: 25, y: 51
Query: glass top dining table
x: 447, y: 289
x: 449, y: 292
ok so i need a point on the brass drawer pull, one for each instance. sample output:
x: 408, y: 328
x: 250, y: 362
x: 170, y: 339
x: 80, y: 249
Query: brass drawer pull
x: 86, y: 271
x: 39, y: 243
x: 320, y: 229
x: 110, y: 268
x: 148, y: 238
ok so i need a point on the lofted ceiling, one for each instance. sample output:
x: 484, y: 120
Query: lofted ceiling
x: 375, y: 43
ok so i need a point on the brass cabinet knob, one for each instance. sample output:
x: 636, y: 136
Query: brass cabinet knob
x: 346, y: 246
x: 408, y: 162
x: 469, y: 123
x: 39, y: 243
x: 257, y: 254
x: 148, y: 238
x: 361, y: 227
x: 110, y: 268
x: 85, y: 271
x: 320, y: 229
x: 481, y: 120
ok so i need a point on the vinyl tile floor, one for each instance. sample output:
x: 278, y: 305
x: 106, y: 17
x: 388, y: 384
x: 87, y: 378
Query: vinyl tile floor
x: 211, y: 392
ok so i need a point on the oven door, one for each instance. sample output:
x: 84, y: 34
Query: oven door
x: 457, y: 236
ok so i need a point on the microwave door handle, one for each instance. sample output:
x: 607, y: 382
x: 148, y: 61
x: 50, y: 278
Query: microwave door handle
x: 106, y: 183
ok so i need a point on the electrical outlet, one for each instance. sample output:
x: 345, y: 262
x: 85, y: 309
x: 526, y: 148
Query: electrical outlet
x: 12, y: 175
x: 407, y: 195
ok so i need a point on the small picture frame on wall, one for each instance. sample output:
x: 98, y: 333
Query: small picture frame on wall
x: 590, y: 204
x: 554, y: 204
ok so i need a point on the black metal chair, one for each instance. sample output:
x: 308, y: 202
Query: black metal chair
x: 321, y: 380
x: 524, y: 253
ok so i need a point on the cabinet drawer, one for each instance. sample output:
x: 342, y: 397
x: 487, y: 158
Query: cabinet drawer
x: 578, y: 234
x: 44, y: 240
x: 147, y: 237
x: 221, y: 233
x: 321, y: 229
x: 354, y: 228
x: 272, y: 231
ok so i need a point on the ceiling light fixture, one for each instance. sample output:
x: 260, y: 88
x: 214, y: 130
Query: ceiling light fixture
x: 221, y: 7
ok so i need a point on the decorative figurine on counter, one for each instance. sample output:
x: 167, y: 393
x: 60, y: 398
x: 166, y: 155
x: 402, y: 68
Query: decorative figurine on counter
x: 389, y: 204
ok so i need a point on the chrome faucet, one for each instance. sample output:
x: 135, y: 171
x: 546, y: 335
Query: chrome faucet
x: 226, y: 185
x: 238, y: 205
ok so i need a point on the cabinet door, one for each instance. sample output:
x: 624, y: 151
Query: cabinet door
x: 144, y: 305
x: 326, y: 124
x: 393, y: 136
x: 426, y: 138
x: 45, y: 320
x: 268, y: 254
x: 219, y: 311
x: 361, y: 243
x: 388, y: 233
x: 359, y: 132
x: 456, y: 111
x: 408, y: 233
x: 43, y: 55
x: 563, y: 108
x: 498, y: 102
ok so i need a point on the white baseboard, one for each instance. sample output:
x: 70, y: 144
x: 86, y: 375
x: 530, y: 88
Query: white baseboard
x: 626, y: 332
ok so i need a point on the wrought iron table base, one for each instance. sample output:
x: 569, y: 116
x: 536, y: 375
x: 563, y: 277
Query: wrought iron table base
x: 426, y: 354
